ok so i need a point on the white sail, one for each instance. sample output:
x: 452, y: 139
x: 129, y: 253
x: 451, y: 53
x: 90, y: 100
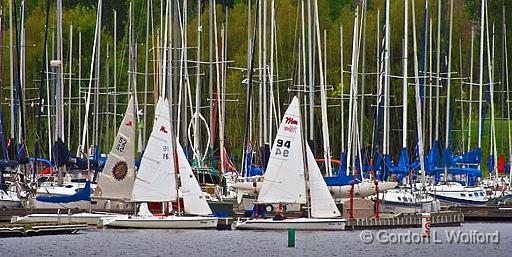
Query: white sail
x: 193, y: 198
x: 322, y: 203
x: 116, y: 180
x: 156, y: 179
x: 284, y: 178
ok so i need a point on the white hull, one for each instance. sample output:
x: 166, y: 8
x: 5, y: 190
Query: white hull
x: 361, y: 190
x: 9, y: 199
x: 297, y: 224
x: 10, y: 203
x: 89, y: 218
x: 404, y: 201
x: 112, y: 205
x: 162, y: 222
x: 35, y: 204
x: 456, y: 194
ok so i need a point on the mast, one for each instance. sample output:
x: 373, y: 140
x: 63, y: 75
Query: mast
x: 481, y: 77
x: 197, y: 153
x: 352, y: 96
x: 385, y: 145
x: 418, y: 97
x: 146, y: 70
x: 448, y: 82
x: 310, y: 75
x: 323, y: 97
x: 438, y: 69
x: 342, y: 86
x: 115, y: 68
x: 107, y: 98
x: 97, y: 74
x: 271, y: 69
x: 88, y: 99
x: 11, y: 69
x: 249, y: 92
x: 363, y: 71
x: 508, y: 95
x: 471, y: 87
x: 59, y: 118
x: 68, y: 140
x: 430, y: 123
x: 404, y: 79
x: 264, y: 76
x: 490, y: 66
x: 210, y: 66
x: 43, y: 74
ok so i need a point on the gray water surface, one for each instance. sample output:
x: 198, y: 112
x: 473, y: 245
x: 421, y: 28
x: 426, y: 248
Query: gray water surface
x: 146, y: 243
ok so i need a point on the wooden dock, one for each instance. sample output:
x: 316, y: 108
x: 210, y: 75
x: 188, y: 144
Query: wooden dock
x: 441, y: 219
x: 484, y: 213
x: 19, y: 230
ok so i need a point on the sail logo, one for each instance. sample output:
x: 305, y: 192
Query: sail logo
x: 291, y: 129
x: 163, y: 129
x: 120, y: 170
x: 291, y: 120
x: 129, y: 123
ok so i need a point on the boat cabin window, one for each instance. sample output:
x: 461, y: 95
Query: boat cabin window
x: 462, y: 194
x: 470, y: 195
x: 399, y: 198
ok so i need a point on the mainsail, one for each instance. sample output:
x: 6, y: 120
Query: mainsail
x: 284, y: 178
x: 156, y: 179
x: 322, y: 203
x: 116, y: 180
x: 193, y: 198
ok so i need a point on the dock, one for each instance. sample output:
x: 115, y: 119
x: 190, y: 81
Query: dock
x: 20, y: 230
x: 440, y: 219
x: 484, y: 213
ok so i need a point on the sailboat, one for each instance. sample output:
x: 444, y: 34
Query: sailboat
x: 8, y: 193
x: 114, y: 183
x: 291, y: 171
x: 156, y: 182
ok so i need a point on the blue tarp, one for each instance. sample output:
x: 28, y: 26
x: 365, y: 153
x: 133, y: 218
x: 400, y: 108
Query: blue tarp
x: 83, y: 194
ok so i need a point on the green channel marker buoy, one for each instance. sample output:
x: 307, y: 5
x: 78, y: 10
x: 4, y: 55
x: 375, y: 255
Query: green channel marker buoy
x: 291, y: 237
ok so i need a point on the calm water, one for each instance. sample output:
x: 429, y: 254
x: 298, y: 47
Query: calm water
x: 128, y: 242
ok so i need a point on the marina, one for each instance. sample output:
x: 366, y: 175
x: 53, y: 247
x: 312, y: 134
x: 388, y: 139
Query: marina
x: 223, y: 128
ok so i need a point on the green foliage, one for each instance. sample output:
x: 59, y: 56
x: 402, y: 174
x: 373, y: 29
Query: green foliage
x: 333, y: 15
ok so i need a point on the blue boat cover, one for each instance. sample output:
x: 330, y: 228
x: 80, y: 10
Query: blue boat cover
x: 83, y: 194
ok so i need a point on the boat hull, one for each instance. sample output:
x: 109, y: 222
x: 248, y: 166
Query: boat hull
x: 454, y: 194
x: 89, y: 218
x: 297, y: 224
x: 160, y: 222
x: 10, y: 203
x: 361, y: 190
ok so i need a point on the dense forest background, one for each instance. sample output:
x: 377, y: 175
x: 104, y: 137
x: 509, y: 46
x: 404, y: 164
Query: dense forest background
x: 333, y: 15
